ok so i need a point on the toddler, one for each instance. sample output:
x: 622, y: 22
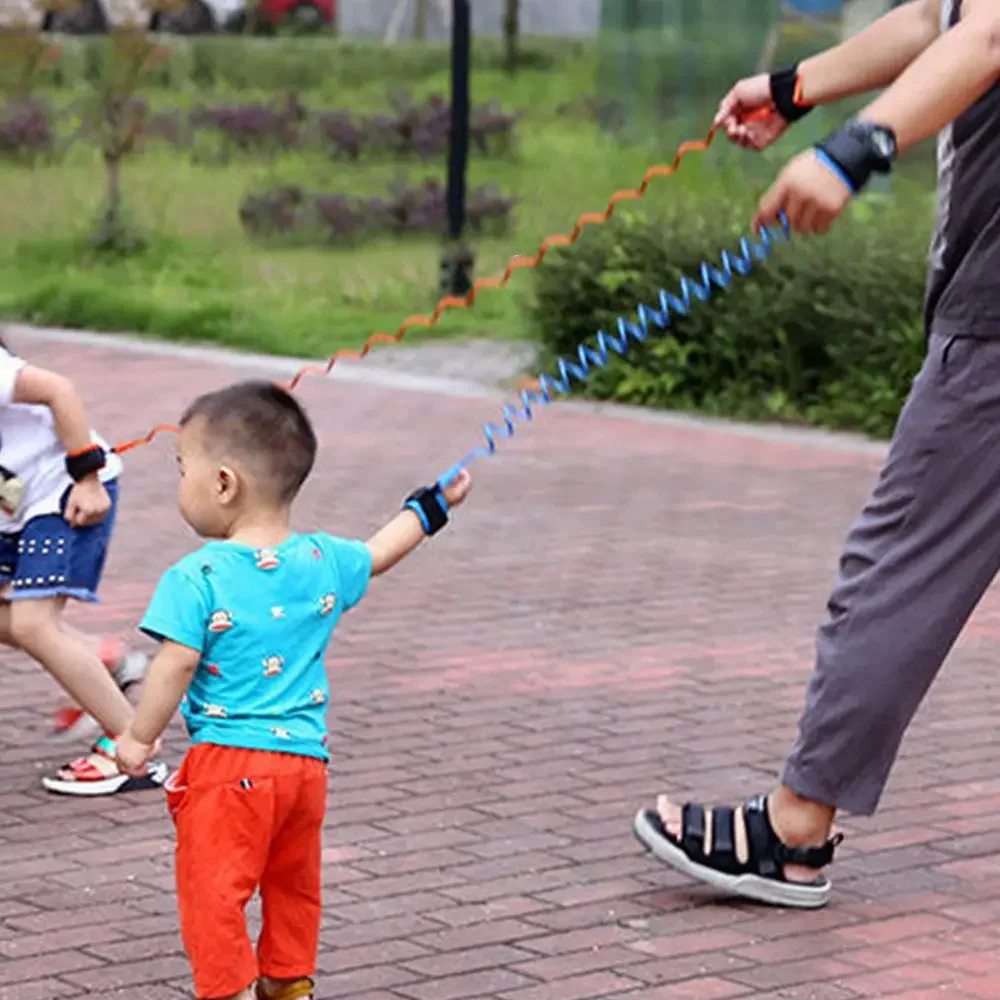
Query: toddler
x: 244, y: 623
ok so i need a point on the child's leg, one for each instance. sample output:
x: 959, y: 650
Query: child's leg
x: 127, y: 667
x: 47, y: 563
x: 29, y: 625
x: 36, y: 629
x: 291, y: 885
x: 224, y: 813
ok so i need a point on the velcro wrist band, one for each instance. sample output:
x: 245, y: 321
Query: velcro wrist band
x: 784, y: 94
x: 850, y: 154
x: 429, y: 504
x: 831, y: 164
x: 87, y: 461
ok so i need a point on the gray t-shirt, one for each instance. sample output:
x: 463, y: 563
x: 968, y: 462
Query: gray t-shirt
x: 963, y: 281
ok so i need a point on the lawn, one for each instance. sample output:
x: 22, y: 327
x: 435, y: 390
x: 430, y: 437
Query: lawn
x: 202, y: 278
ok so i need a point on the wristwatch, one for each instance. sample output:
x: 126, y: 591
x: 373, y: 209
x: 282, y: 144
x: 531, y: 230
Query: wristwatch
x: 858, y: 150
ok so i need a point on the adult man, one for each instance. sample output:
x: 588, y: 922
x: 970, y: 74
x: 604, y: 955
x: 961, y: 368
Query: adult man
x: 927, y: 544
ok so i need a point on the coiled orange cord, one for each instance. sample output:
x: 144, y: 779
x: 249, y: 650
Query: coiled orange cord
x: 449, y: 302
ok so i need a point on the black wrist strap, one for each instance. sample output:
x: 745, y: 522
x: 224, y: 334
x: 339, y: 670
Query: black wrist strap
x: 851, y: 157
x: 784, y: 84
x: 81, y: 464
x: 429, y: 504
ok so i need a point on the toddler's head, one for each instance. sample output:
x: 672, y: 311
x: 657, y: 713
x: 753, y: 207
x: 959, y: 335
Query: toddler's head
x: 244, y: 453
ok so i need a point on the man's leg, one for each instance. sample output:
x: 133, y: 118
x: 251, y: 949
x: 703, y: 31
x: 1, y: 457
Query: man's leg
x: 915, y: 564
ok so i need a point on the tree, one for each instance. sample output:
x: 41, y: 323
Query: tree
x: 511, y: 33
x: 420, y: 20
x: 117, y: 119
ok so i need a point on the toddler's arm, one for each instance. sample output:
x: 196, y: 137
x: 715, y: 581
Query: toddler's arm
x: 407, y: 529
x: 169, y: 678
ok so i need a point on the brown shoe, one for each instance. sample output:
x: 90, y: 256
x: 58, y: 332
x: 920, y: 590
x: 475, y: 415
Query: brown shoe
x: 301, y: 989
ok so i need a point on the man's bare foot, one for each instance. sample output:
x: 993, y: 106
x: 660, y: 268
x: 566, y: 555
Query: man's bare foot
x: 797, y: 822
x: 772, y: 849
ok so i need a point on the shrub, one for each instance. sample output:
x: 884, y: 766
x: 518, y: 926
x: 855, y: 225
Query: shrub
x: 289, y: 211
x: 237, y: 63
x: 828, y: 331
x: 26, y: 130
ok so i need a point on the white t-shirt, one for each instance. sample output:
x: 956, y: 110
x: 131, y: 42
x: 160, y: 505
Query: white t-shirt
x: 31, y: 449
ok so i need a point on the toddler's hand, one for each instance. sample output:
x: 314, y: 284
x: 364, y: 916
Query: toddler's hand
x: 458, y: 489
x: 132, y: 756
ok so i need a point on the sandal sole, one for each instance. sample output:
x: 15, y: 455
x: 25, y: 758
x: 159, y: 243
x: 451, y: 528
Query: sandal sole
x: 801, y: 896
x: 116, y: 785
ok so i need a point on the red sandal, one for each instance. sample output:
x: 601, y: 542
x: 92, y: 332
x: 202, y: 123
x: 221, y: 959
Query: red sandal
x: 98, y: 775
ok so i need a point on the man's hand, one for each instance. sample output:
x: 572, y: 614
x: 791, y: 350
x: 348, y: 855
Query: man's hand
x: 747, y: 116
x: 133, y: 757
x: 88, y: 503
x: 808, y: 192
x: 458, y: 489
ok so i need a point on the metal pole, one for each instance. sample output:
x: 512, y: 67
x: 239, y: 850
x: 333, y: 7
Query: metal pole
x: 457, y: 264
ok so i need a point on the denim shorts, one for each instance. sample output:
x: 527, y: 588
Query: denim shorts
x: 51, y: 558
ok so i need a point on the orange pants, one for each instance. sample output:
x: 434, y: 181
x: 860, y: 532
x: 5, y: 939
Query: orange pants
x: 248, y: 819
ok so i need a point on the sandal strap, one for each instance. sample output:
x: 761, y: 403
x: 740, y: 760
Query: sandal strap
x: 693, y: 830
x: 84, y: 770
x: 301, y: 989
x: 721, y: 853
x: 724, y: 832
x: 767, y: 852
x: 810, y: 857
x: 105, y: 747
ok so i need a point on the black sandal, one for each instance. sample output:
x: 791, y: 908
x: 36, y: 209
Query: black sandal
x: 761, y: 877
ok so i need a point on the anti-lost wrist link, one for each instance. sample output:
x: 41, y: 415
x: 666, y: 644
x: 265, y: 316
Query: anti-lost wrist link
x: 85, y: 462
x: 785, y: 94
x: 430, y: 505
x: 858, y: 150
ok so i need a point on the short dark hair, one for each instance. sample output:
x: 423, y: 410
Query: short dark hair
x: 263, y: 425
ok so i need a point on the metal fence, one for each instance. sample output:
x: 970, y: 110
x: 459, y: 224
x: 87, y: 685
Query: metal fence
x: 561, y: 18
x: 664, y: 59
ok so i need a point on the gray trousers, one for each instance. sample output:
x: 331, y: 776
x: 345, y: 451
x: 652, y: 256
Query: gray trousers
x: 914, y: 567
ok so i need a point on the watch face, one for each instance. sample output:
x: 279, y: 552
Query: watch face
x: 883, y: 144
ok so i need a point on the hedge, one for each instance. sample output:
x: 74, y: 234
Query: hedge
x: 828, y: 331
x: 241, y: 63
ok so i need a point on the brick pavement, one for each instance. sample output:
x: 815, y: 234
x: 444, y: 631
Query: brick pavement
x: 620, y: 604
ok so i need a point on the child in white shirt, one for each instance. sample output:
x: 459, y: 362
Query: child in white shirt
x: 58, y: 498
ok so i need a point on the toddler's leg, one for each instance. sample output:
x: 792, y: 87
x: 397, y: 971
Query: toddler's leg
x: 224, y: 826
x: 290, y: 887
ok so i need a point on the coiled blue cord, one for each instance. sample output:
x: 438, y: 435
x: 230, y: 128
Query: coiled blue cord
x: 751, y: 250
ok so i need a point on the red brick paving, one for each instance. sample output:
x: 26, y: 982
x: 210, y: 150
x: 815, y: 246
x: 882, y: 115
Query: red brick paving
x: 621, y: 606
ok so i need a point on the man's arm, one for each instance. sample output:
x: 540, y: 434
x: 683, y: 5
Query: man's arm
x: 949, y: 77
x: 945, y: 80
x: 758, y: 110
x: 873, y: 58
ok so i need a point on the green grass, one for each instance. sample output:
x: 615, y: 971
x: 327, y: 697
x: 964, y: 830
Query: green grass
x: 202, y: 279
